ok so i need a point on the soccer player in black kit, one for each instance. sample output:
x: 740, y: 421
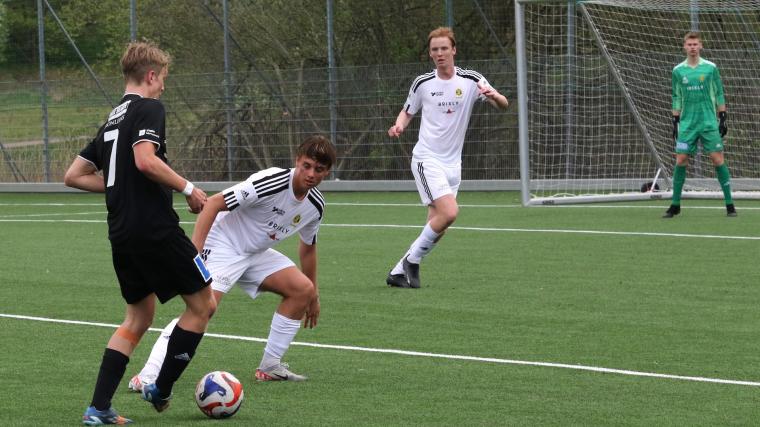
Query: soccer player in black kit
x: 152, y: 256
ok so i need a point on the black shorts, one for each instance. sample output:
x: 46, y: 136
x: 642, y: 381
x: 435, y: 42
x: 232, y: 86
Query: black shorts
x: 166, y: 268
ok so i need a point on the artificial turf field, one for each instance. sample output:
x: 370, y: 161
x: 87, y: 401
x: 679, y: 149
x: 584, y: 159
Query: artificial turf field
x: 579, y: 315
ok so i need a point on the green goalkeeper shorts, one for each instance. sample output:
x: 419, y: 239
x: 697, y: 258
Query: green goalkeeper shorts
x: 688, y: 139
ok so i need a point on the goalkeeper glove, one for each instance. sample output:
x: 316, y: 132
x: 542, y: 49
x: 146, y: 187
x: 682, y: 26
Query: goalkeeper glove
x: 722, y: 127
x: 676, y: 119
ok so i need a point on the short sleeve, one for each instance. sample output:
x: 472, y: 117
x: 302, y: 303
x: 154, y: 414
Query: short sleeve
x: 242, y: 193
x: 149, y: 122
x: 413, y: 101
x: 90, y: 154
x: 309, y: 232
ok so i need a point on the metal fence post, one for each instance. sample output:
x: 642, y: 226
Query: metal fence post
x: 331, y: 77
x: 133, y: 20
x: 43, y: 87
x: 228, y: 88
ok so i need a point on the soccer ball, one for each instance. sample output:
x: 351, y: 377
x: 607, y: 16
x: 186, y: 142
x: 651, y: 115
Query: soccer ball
x: 219, y: 394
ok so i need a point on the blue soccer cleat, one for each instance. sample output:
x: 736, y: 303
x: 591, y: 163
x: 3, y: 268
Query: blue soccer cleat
x: 93, y: 417
x: 152, y: 394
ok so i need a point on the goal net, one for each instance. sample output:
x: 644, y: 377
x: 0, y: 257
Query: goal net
x: 594, y: 83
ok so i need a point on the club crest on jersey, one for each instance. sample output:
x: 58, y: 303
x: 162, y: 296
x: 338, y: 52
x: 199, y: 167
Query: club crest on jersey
x: 702, y: 78
x: 459, y: 93
x: 296, y: 219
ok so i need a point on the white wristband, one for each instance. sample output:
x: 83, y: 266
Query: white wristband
x: 188, y: 189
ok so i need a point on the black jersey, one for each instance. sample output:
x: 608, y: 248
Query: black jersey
x: 139, y: 209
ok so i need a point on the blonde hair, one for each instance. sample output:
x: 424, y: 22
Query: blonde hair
x: 140, y: 57
x: 442, y: 32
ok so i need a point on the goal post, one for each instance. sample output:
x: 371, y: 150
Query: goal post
x: 594, y: 96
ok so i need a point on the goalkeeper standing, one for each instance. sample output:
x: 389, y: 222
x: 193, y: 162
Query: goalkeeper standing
x: 699, y: 114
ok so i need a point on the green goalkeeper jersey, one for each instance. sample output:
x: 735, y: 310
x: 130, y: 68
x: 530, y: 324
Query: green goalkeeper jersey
x: 697, y: 92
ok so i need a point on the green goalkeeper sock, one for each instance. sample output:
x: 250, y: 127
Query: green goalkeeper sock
x: 679, y: 177
x: 724, y: 177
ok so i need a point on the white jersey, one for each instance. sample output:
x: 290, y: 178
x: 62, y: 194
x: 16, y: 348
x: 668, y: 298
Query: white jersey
x: 446, y: 109
x: 263, y: 211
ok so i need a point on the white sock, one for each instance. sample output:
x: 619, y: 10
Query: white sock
x: 281, y: 334
x: 157, y: 353
x: 423, y: 245
x: 399, y: 268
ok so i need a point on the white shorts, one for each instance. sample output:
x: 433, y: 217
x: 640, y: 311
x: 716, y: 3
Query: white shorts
x: 435, y: 180
x: 248, y: 270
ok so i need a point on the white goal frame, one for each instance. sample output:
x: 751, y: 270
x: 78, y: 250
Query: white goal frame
x: 542, y: 190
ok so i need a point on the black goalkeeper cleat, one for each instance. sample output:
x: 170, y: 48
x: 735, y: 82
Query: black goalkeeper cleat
x: 672, y: 211
x: 397, y: 281
x: 412, y: 273
x: 731, y: 210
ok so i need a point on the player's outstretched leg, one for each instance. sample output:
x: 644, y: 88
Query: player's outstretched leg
x: 281, y: 334
x: 152, y: 367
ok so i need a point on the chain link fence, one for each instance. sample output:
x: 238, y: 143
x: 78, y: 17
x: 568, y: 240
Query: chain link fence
x: 223, y: 124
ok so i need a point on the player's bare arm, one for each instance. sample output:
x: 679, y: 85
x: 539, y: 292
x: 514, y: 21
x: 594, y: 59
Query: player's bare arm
x: 83, y: 175
x: 214, y: 205
x: 156, y: 170
x: 494, y: 97
x: 402, y: 121
x: 308, y: 259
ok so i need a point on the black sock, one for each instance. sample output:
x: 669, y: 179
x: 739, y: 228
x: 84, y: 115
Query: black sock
x: 179, y: 351
x: 111, y: 371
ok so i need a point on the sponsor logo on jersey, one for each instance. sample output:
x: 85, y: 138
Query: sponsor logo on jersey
x: 439, y: 93
x: 278, y: 211
x: 695, y: 87
x: 296, y: 219
x: 119, y: 111
x: 277, y: 227
x: 459, y: 93
x: 148, y: 132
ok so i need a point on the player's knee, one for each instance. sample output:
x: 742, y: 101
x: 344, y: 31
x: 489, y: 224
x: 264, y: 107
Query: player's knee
x: 304, y: 291
x: 450, y: 215
x: 211, y: 309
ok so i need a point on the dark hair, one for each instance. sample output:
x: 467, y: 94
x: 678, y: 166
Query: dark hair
x: 319, y: 148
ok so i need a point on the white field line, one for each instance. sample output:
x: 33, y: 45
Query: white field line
x: 418, y: 205
x: 428, y: 355
x: 488, y: 229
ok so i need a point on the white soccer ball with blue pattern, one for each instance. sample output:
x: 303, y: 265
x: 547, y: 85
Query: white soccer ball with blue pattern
x: 219, y: 394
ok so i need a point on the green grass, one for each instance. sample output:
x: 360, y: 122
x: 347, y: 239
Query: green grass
x: 669, y: 302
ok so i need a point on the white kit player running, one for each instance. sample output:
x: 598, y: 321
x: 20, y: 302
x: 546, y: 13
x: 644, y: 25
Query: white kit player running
x: 446, y: 97
x: 235, y: 233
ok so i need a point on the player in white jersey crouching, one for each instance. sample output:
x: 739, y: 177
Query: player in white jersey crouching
x: 235, y: 233
x: 446, y: 97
